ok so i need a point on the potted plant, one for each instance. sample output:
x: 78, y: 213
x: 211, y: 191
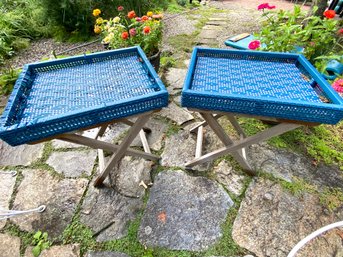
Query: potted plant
x: 127, y: 29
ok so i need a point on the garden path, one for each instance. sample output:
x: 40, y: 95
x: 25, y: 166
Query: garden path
x: 214, y: 211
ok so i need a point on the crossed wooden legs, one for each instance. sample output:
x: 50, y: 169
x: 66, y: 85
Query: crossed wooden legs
x: 235, y: 148
x: 119, y: 150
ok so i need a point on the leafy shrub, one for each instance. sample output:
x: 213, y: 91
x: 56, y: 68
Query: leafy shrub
x: 19, y: 23
x: 127, y: 29
x: 283, y: 30
x: 182, y: 2
x: 8, y: 79
x: 75, y: 16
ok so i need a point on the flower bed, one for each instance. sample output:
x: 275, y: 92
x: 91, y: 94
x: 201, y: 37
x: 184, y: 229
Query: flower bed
x: 127, y: 29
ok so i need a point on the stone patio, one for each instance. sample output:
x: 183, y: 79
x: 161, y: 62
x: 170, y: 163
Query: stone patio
x: 177, y: 209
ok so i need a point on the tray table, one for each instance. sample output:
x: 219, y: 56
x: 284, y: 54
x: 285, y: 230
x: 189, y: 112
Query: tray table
x: 282, y: 87
x: 53, y: 98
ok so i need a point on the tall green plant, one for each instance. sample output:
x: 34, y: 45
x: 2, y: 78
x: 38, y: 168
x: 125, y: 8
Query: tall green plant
x: 19, y: 23
x: 283, y: 30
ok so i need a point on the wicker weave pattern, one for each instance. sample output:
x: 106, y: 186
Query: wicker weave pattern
x: 257, y: 83
x: 64, y: 96
x: 261, y: 79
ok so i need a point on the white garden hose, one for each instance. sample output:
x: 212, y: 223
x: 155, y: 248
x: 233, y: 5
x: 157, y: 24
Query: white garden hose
x: 313, y: 235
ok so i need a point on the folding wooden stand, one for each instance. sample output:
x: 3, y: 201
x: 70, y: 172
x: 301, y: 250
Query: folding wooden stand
x: 235, y: 148
x: 118, y: 150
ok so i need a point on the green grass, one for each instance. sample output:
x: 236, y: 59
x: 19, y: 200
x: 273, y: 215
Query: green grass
x: 79, y: 233
x: 332, y: 198
x: 226, y: 245
x: 323, y: 143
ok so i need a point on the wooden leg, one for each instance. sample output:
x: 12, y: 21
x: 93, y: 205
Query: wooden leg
x: 133, y: 132
x: 96, y: 144
x: 213, y: 123
x: 262, y: 136
x: 204, y: 123
x: 101, y: 156
x: 239, y: 130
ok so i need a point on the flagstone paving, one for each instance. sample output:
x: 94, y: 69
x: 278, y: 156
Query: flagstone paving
x: 177, y: 209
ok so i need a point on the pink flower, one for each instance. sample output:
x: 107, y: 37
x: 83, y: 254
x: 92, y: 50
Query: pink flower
x: 253, y: 45
x: 340, y: 32
x: 138, y: 19
x: 265, y: 6
x: 133, y: 32
x: 120, y: 8
x: 338, y: 85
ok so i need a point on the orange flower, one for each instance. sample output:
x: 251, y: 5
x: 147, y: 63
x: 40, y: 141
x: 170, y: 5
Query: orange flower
x: 97, y: 29
x: 330, y: 14
x: 125, y: 35
x: 96, y: 12
x: 146, y: 30
x: 145, y: 18
x: 131, y: 15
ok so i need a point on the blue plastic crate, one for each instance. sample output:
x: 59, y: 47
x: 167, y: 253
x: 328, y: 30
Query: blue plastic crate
x: 279, y: 85
x: 53, y: 97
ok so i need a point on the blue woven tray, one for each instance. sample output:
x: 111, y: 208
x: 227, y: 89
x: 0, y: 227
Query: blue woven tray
x: 54, y: 97
x: 279, y: 85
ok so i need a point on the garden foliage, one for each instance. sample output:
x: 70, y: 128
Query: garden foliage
x: 283, y: 30
x: 127, y: 29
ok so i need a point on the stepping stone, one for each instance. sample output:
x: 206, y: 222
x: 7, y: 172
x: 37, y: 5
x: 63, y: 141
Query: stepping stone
x: 208, y: 34
x: 108, y: 213
x: 212, y: 27
x: 9, y: 246
x: 131, y: 172
x: 178, y: 150
x: 57, y: 250
x: 175, y: 79
x: 183, y: 212
x: 106, y: 254
x: 271, y: 221
x: 226, y: 176
x: 221, y: 23
x: 73, y: 164
x: 23, y: 155
x: 284, y: 164
x: 176, y: 113
x: 61, y: 198
x: 155, y: 137
x: 7, y: 181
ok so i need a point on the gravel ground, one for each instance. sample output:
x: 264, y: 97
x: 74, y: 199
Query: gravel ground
x: 43, y: 49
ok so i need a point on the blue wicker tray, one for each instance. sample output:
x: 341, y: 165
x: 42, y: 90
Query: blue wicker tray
x: 279, y: 85
x: 58, y: 96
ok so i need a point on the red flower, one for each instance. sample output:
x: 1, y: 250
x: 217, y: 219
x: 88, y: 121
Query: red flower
x: 253, y: 45
x: 125, y: 35
x: 131, y: 15
x: 265, y: 6
x: 340, y: 32
x: 145, y: 18
x: 146, y: 30
x: 338, y: 85
x: 330, y: 14
x: 133, y: 32
x: 120, y: 8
